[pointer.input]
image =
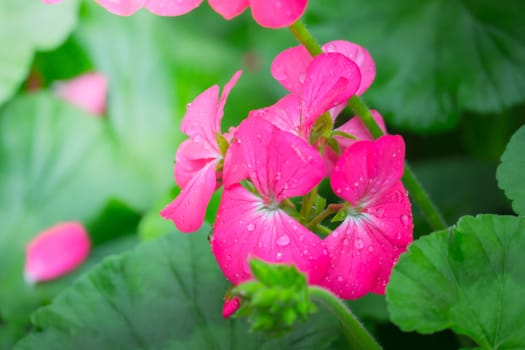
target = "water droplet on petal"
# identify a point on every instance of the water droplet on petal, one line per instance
(340, 278)
(250, 227)
(380, 212)
(279, 255)
(283, 241)
(358, 244)
(405, 220)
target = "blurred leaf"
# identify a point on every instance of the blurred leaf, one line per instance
(166, 294)
(434, 58)
(469, 279)
(511, 171)
(25, 27)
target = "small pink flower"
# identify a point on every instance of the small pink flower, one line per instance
(56, 251)
(378, 226)
(87, 91)
(267, 13)
(197, 158)
(326, 81)
(280, 165)
(231, 305)
(158, 7)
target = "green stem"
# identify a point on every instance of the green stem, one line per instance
(356, 334)
(332, 208)
(308, 203)
(430, 211)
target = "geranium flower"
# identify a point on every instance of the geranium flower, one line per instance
(280, 165)
(158, 7)
(87, 91)
(326, 81)
(56, 252)
(267, 13)
(197, 158)
(378, 225)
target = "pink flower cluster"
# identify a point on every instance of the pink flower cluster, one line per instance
(271, 158)
(267, 13)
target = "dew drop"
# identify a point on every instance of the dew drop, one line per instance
(358, 244)
(279, 255)
(340, 278)
(405, 220)
(380, 212)
(283, 241)
(250, 227)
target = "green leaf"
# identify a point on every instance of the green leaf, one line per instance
(28, 26)
(469, 279)
(165, 294)
(511, 171)
(434, 58)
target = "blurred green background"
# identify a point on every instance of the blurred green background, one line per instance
(450, 79)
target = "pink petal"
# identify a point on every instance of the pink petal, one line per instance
(224, 96)
(331, 79)
(172, 7)
(56, 251)
(200, 121)
(356, 128)
(87, 91)
(187, 211)
(122, 7)
(229, 8)
(289, 68)
(277, 13)
(367, 169)
(282, 164)
(51, 1)
(360, 56)
(230, 306)
(190, 158)
(364, 248)
(235, 169)
(285, 114)
(246, 229)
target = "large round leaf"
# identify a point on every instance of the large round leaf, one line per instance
(435, 58)
(511, 172)
(166, 294)
(25, 27)
(470, 279)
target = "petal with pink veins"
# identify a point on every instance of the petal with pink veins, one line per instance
(277, 13)
(187, 211)
(229, 8)
(122, 7)
(56, 252)
(246, 229)
(331, 79)
(365, 247)
(367, 169)
(191, 157)
(282, 165)
(285, 114)
(360, 56)
(289, 68)
(172, 7)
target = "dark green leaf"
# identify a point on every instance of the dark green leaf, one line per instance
(511, 172)
(469, 279)
(166, 294)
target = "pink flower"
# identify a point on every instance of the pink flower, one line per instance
(197, 158)
(56, 251)
(280, 165)
(290, 66)
(158, 7)
(267, 13)
(378, 226)
(322, 83)
(87, 91)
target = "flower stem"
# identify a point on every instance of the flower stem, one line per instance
(418, 193)
(332, 208)
(357, 336)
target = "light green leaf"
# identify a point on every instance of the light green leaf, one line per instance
(470, 279)
(25, 27)
(166, 294)
(511, 171)
(434, 58)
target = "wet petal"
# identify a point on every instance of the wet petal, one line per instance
(367, 169)
(224, 96)
(56, 251)
(331, 79)
(187, 211)
(245, 229)
(229, 8)
(285, 114)
(191, 157)
(277, 13)
(172, 7)
(360, 56)
(289, 68)
(356, 128)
